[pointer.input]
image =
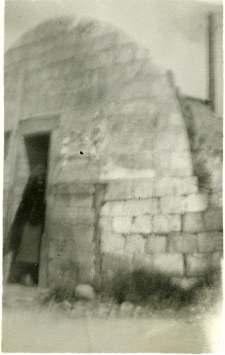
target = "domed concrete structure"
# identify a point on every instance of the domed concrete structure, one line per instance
(121, 192)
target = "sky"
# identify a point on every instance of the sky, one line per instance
(174, 31)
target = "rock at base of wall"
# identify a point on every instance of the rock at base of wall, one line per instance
(85, 292)
(185, 283)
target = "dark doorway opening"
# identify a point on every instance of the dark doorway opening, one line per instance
(37, 150)
(28, 225)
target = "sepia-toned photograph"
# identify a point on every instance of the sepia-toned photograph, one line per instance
(112, 184)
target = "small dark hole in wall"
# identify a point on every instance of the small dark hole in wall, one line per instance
(81, 153)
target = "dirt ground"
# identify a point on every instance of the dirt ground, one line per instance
(47, 329)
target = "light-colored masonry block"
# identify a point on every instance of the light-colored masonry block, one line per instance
(213, 219)
(170, 264)
(216, 260)
(183, 204)
(172, 204)
(195, 203)
(130, 208)
(156, 244)
(216, 200)
(105, 223)
(166, 223)
(210, 242)
(144, 189)
(112, 243)
(122, 224)
(127, 225)
(142, 224)
(197, 264)
(142, 262)
(135, 244)
(193, 222)
(176, 186)
(185, 243)
(185, 282)
(119, 191)
(130, 189)
(147, 188)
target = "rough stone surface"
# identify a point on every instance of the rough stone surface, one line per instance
(213, 219)
(216, 261)
(66, 305)
(170, 264)
(182, 204)
(85, 292)
(144, 189)
(142, 262)
(119, 191)
(216, 200)
(127, 309)
(195, 203)
(210, 242)
(186, 283)
(128, 225)
(156, 244)
(184, 243)
(166, 223)
(135, 244)
(113, 263)
(171, 204)
(148, 188)
(141, 224)
(122, 224)
(130, 208)
(130, 189)
(112, 243)
(105, 223)
(193, 222)
(176, 186)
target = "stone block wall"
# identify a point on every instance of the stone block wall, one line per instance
(159, 225)
(205, 131)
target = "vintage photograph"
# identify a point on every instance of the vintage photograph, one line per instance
(113, 209)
